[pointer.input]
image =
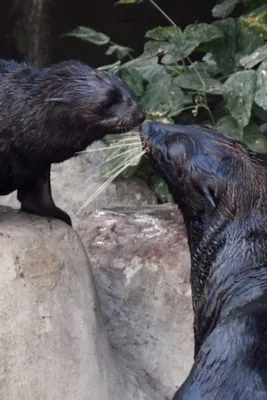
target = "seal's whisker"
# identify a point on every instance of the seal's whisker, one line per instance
(125, 160)
(133, 155)
(120, 136)
(112, 157)
(107, 182)
(130, 139)
(102, 148)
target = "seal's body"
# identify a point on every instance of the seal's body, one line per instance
(49, 114)
(221, 188)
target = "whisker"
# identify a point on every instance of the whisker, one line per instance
(133, 134)
(125, 134)
(130, 139)
(128, 158)
(117, 166)
(105, 184)
(112, 157)
(102, 148)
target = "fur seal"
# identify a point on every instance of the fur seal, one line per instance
(220, 187)
(49, 114)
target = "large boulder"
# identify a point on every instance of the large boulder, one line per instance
(53, 344)
(53, 341)
(141, 264)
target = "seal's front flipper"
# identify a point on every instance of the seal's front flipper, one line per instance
(36, 198)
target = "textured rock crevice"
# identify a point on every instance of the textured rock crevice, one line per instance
(53, 343)
(140, 261)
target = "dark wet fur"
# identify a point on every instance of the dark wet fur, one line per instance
(49, 114)
(221, 188)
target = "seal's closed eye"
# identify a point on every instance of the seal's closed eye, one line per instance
(176, 150)
(113, 97)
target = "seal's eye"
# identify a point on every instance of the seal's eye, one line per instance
(176, 150)
(112, 98)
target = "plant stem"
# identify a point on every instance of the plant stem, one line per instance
(162, 12)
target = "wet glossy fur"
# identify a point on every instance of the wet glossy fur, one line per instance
(49, 114)
(221, 189)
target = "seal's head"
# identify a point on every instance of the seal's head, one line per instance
(205, 170)
(96, 101)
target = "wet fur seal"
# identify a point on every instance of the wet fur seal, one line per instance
(220, 187)
(49, 114)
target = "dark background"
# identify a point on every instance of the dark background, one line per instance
(125, 24)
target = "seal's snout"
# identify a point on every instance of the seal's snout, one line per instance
(141, 116)
(148, 130)
(145, 130)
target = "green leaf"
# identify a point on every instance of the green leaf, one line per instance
(147, 172)
(224, 9)
(120, 51)
(201, 68)
(255, 58)
(174, 51)
(160, 188)
(254, 138)
(163, 97)
(263, 128)
(172, 41)
(228, 126)
(210, 64)
(251, 31)
(133, 79)
(90, 35)
(153, 49)
(261, 86)
(166, 33)
(248, 39)
(239, 91)
(224, 49)
(168, 60)
(181, 44)
(256, 21)
(201, 33)
(148, 67)
(251, 135)
(113, 68)
(198, 83)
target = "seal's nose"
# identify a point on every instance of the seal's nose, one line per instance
(141, 116)
(145, 129)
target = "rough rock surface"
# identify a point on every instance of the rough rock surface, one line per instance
(140, 261)
(53, 343)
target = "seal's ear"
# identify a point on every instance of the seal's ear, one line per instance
(59, 104)
(209, 195)
(207, 190)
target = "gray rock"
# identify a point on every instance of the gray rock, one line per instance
(53, 344)
(140, 261)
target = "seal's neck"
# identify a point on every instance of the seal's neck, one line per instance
(205, 239)
(228, 271)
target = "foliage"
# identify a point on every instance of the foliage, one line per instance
(100, 39)
(226, 88)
